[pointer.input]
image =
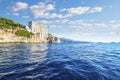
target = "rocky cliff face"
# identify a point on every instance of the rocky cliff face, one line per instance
(8, 37)
(53, 39)
(11, 31)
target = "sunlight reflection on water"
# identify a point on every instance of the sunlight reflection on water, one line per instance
(67, 61)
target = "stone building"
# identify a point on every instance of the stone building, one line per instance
(38, 30)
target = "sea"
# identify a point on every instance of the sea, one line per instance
(63, 61)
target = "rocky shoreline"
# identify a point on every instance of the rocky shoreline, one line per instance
(12, 32)
(12, 38)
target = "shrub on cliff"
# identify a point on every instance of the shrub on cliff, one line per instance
(23, 33)
(9, 24)
(50, 35)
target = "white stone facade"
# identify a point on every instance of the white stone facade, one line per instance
(37, 28)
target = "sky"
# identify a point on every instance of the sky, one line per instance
(83, 20)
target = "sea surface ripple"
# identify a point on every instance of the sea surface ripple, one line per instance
(65, 61)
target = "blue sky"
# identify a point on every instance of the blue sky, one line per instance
(84, 20)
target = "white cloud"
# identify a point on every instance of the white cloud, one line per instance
(19, 6)
(49, 22)
(114, 21)
(65, 21)
(54, 23)
(62, 10)
(52, 15)
(47, 1)
(62, 21)
(54, 26)
(45, 22)
(75, 22)
(115, 27)
(95, 9)
(25, 16)
(81, 10)
(111, 27)
(16, 14)
(84, 27)
(42, 10)
(45, 10)
(92, 25)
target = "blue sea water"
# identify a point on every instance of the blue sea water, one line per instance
(65, 61)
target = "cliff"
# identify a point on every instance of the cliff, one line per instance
(53, 39)
(11, 32)
(8, 37)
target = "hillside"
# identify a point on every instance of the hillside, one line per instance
(11, 31)
(9, 26)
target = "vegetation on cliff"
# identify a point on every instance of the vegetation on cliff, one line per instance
(52, 36)
(23, 33)
(9, 24)
(11, 31)
(12, 27)
(53, 39)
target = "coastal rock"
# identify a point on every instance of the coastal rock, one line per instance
(10, 38)
(53, 39)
